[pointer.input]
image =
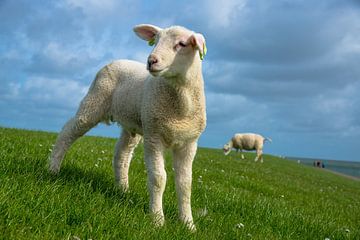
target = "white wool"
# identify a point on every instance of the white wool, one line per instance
(247, 141)
(166, 107)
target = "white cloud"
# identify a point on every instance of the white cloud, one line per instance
(330, 105)
(59, 55)
(10, 91)
(221, 13)
(94, 7)
(236, 111)
(103, 14)
(42, 91)
(60, 91)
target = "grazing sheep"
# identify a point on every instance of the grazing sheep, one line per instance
(162, 101)
(247, 141)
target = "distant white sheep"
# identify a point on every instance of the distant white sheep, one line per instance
(166, 107)
(247, 141)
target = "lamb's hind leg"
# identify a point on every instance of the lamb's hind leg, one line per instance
(123, 153)
(92, 110)
(259, 155)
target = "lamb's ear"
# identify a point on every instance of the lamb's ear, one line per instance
(197, 40)
(147, 32)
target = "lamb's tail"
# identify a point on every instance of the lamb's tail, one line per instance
(267, 139)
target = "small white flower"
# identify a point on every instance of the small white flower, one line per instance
(40, 145)
(222, 170)
(96, 165)
(327, 239)
(239, 225)
(205, 170)
(203, 212)
(50, 150)
(92, 150)
(282, 196)
(102, 151)
(347, 230)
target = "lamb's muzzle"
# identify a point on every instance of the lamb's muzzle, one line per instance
(152, 60)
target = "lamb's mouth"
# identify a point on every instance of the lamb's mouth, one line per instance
(226, 151)
(157, 72)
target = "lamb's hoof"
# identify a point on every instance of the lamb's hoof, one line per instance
(191, 226)
(158, 220)
(124, 187)
(54, 170)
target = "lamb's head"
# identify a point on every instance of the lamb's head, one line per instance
(176, 49)
(227, 148)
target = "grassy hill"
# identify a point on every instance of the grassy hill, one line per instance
(231, 198)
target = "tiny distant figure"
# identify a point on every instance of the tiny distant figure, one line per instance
(247, 141)
(319, 164)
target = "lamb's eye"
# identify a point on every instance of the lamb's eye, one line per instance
(182, 44)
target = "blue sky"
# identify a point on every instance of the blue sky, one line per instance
(287, 69)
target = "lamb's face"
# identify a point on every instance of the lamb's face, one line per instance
(176, 49)
(226, 149)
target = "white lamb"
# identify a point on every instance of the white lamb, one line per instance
(166, 107)
(247, 141)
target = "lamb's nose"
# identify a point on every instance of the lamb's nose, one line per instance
(151, 61)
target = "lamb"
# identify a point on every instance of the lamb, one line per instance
(247, 141)
(162, 102)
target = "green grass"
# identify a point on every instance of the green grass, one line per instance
(278, 199)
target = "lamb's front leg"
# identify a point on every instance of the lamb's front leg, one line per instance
(183, 159)
(242, 155)
(154, 161)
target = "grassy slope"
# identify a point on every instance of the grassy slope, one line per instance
(275, 200)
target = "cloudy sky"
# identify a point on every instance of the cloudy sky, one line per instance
(287, 69)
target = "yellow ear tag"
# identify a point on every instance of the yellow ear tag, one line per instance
(202, 54)
(151, 42)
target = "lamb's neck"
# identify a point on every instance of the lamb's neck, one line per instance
(191, 77)
(188, 93)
